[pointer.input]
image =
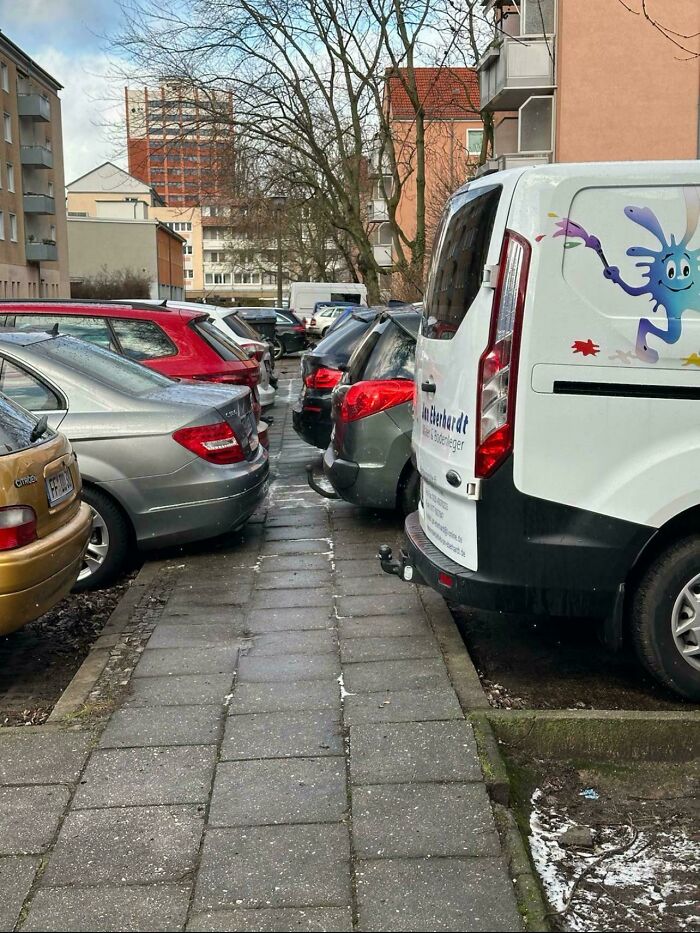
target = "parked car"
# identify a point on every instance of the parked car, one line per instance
(368, 460)
(324, 317)
(179, 343)
(44, 528)
(164, 462)
(555, 426)
(321, 370)
(304, 295)
(286, 331)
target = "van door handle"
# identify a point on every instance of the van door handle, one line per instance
(428, 386)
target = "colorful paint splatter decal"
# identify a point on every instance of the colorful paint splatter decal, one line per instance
(585, 347)
(623, 356)
(672, 271)
(692, 360)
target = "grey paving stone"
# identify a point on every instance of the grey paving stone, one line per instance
(297, 518)
(204, 599)
(293, 579)
(363, 567)
(380, 605)
(163, 725)
(280, 668)
(312, 546)
(50, 757)
(282, 735)
(420, 751)
(178, 690)
(316, 641)
(124, 908)
(374, 676)
(272, 920)
(291, 599)
(402, 706)
(126, 845)
(294, 562)
(16, 876)
(291, 695)
(389, 648)
(422, 820)
(288, 620)
(381, 626)
(29, 818)
(129, 777)
(472, 894)
(202, 635)
(274, 866)
(317, 529)
(161, 662)
(291, 790)
(377, 582)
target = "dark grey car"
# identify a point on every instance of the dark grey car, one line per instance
(163, 462)
(368, 460)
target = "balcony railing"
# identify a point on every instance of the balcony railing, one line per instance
(517, 160)
(39, 204)
(34, 106)
(36, 156)
(40, 251)
(514, 69)
(382, 255)
(377, 210)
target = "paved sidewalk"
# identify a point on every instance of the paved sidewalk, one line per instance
(288, 755)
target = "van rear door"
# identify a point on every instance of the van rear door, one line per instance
(454, 335)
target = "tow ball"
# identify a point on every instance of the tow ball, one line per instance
(399, 566)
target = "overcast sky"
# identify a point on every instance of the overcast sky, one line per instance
(65, 37)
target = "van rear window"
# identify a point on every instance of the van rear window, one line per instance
(457, 269)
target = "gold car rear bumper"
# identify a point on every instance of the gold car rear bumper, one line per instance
(35, 577)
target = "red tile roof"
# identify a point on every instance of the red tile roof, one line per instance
(446, 93)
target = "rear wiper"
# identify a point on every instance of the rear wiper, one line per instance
(39, 429)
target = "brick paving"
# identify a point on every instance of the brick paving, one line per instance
(288, 755)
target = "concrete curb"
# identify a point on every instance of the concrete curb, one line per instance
(477, 709)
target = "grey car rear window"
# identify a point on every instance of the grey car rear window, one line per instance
(457, 268)
(388, 352)
(16, 427)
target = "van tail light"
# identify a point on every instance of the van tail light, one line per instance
(323, 378)
(17, 526)
(215, 443)
(369, 398)
(498, 367)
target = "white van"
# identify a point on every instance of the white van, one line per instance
(304, 295)
(557, 416)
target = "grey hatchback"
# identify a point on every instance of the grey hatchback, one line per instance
(163, 462)
(368, 460)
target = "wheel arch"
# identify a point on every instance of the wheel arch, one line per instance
(89, 483)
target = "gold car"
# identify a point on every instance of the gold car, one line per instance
(44, 527)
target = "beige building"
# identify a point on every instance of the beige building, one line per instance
(33, 235)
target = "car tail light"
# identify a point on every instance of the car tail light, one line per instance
(323, 378)
(369, 398)
(247, 376)
(299, 328)
(17, 526)
(312, 322)
(213, 442)
(499, 362)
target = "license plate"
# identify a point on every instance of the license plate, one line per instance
(59, 486)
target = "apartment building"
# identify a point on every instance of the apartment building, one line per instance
(590, 80)
(33, 235)
(174, 141)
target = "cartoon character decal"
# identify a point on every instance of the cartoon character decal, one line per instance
(672, 271)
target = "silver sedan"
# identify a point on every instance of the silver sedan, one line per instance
(163, 462)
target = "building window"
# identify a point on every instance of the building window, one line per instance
(10, 177)
(2, 225)
(208, 278)
(186, 249)
(189, 273)
(7, 125)
(50, 189)
(13, 227)
(475, 140)
(535, 125)
(5, 76)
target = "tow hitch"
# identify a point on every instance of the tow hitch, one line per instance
(399, 566)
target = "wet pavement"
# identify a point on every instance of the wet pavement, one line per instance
(288, 754)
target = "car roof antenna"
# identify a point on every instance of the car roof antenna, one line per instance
(54, 330)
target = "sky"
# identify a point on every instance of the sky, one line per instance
(66, 37)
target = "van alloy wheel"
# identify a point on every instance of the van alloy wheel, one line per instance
(98, 547)
(685, 622)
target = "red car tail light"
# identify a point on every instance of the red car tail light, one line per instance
(498, 367)
(299, 328)
(323, 378)
(369, 398)
(215, 443)
(17, 526)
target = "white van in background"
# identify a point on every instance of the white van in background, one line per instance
(304, 295)
(557, 417)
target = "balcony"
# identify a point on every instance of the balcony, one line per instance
(382, 255)
(377, 210)
(41, 251)
(35, 107)
(515, 160)
(36, 156)
(39, 204)
(514, 69)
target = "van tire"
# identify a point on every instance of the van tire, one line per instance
(409, 486)
(651, 612)
(119, 538)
